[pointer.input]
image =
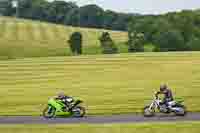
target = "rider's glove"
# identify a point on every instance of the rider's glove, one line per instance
(156, 94)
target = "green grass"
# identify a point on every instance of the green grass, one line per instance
(23, 38)
(179, 127)
(109, 84)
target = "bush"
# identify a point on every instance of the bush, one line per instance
(194, 44)
(75, 42)
(107, 44)
(136, 42)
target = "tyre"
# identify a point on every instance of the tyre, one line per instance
(78, 111)
(182, 111)
(49, 112)
(147, 112)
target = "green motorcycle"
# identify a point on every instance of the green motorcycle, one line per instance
(58, 108)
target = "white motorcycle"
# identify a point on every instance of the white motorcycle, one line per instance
(175, 107)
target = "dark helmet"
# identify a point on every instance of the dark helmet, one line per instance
(163, 87)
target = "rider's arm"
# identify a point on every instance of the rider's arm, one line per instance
(56, 97)
(157, 93)
(69, 99)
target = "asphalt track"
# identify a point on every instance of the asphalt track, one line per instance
(98, 119)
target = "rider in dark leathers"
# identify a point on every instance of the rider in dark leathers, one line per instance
(67, 100)
(168, 96)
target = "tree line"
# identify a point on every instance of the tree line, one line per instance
(168, 32)
(69, 13)
(176, 31)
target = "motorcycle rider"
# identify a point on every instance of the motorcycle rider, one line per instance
(67, 100)
(168, 96)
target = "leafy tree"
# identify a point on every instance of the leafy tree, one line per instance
(194, 44)
(170, 40)
(38, 10)
(116, 21)
(91, 16)
(75, 42)
(107, 44)
(121, 22)
(110, 17)
(73, 17)
(6, 8)
(57, 11)
(184, 22)
(135, 42)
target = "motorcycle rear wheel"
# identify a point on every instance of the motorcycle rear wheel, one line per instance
(181, 113)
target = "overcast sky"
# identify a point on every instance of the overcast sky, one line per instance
(143, 6)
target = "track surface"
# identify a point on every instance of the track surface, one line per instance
(98, 119)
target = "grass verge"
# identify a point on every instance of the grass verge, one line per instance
(181, 127)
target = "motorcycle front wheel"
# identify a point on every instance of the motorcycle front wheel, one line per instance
(49, 112)
(78, 111)
(147, 112)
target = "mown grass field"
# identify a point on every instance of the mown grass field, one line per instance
(109, 84)
(24, 38)
(180, 127)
